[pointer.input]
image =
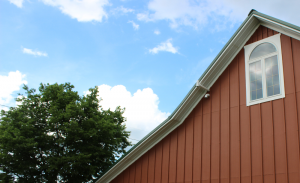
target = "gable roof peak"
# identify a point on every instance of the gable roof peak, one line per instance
(251, 11)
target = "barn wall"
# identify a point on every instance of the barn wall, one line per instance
(224, 141)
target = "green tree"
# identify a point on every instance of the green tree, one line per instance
(58, 136)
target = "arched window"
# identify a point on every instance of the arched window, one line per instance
(264, 75)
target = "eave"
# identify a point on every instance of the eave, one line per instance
(205, 82)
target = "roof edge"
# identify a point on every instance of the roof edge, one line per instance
(251, 11)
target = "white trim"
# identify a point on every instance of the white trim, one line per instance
(279, 27)
(275, 40)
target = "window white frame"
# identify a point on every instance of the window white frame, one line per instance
(275, 40)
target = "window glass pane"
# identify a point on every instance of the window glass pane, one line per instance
(269, 81)
(275, 69)
(276, 90)
(262, 49)
(258, 84)
(276, 80)
(272, 76)
(270, 91)
(269, 63)
(268, 71)
(252, 76)
(258, 66)
(253, 95)
(259, 94)
(274, 59)
(256, 80)
(252, 67)
(252, 86)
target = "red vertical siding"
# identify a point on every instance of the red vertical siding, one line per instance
(234, 145)
(224, 141)
(138, 171)
(144, 178)
(290, 110)
(280, 142)
(296, 59)
(119, 178)
(197, 144)
(234, 123)
(268, 142)
(256, 146)
(246, 161)
(206, 141)
(189, 142)
(215, 134)
(126, 176)
(173, 157)
(225, 166)
(296, 64)
(132, 173)
(158, 163)
(165, 160)
(180, 154)
(151, 165)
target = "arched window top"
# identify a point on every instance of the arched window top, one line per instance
(264, 71)
(262, 49)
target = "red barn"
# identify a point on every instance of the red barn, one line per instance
(239, 123)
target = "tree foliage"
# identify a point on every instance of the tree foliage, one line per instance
(58, 136)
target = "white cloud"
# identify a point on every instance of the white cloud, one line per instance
(157, 32)
(219, 12)
(9, 84)
(141, 111)
(82, 10)
(179, 12)
(35, 53)
(123, 10)
(144, 17)
(18, 3)
(134, 25)
(164, 46)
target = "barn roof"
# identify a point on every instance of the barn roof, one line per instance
(197, 92)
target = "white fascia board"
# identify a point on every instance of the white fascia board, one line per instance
(279, 27)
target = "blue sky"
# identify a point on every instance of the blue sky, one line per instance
(144, 55)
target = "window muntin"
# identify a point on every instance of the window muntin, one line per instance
(262, 49)
(264, 71)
